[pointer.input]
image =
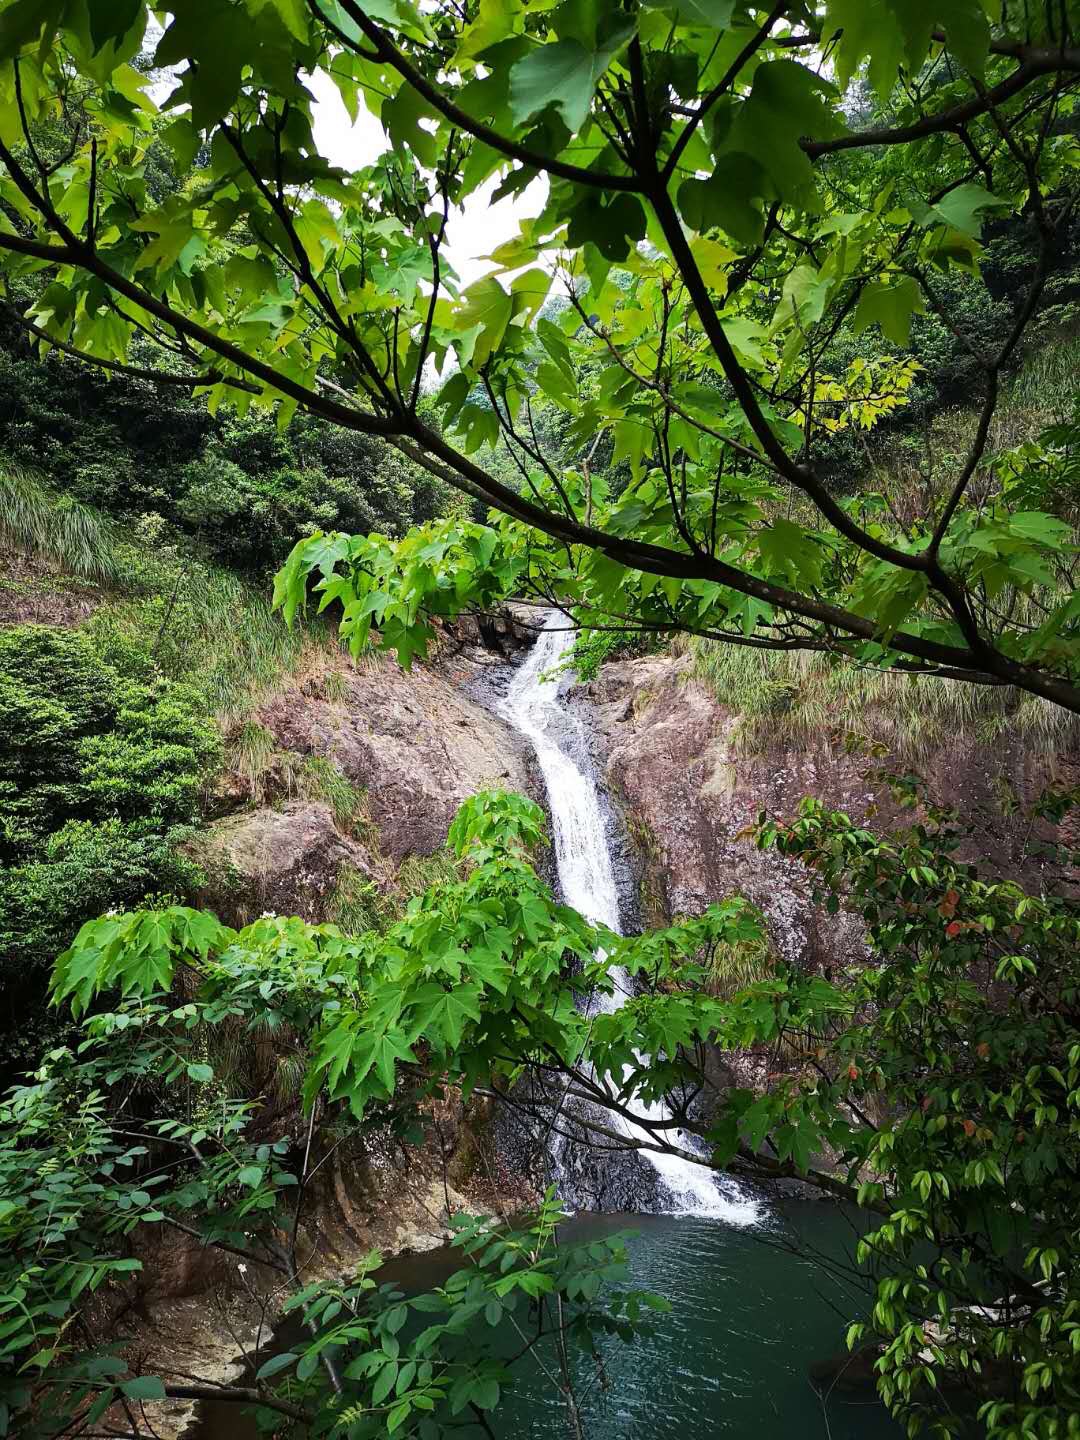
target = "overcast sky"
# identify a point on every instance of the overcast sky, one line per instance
(474, 231)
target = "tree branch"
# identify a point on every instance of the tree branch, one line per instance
(137, 372)
(1035, 64)
(437, 98)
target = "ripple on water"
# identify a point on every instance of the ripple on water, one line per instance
(751, 1311)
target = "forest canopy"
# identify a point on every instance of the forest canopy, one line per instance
(711, 155)
(762, 228)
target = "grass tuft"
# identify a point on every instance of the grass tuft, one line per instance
(320, 779)
(734, 966)
(251, 753)
(790, 698)
(33, 518)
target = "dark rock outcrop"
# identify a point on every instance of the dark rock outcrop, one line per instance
(285, 860)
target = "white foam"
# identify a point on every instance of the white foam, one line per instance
(534, 705)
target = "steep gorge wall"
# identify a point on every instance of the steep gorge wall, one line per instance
(669, 749)
(412, 744)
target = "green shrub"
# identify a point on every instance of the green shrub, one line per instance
(247, 490)
(102, 767)
(54, 693)
(87, 868)
(593, 648)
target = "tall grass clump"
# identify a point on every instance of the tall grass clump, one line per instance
(318, 778)
(224, 632)
(251, 752)
(1046, 382)
(37, 520)
(214, 630)
(792, 697)
(359, 903)
(732, 966)
(202, 624)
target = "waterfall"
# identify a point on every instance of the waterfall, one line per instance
(534, 705)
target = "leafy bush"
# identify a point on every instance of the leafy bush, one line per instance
(102, 764)
(593, 648)
(251, 520)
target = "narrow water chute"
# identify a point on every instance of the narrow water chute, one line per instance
(535, 705)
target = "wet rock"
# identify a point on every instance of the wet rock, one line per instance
(504, 632)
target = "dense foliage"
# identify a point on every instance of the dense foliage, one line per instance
(764, 230)
(762, 219)
(243, 490)
(951, 1084)
(89, 1148)
(954, 1121)
(101, 767)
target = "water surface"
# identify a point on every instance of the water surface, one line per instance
(732, 1358)
(752, 1310)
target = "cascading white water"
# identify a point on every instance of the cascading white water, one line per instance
(533, 706)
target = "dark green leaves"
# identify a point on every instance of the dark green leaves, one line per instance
(111, 19)
(786, 103)
(710, 14)
(402, 115)
(23, 21)
(215, 36)
(731, 199)
(564, 75)
(891, 307)
(613, 225)
(144, 1387)
(962, 208)
(889, 34)
(275, 1364)
(757, 152)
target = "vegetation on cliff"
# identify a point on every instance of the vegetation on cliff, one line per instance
(114, 729)
(772, 232)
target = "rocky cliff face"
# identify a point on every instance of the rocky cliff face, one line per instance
(669, 751)
(411, 745)
(412, 741)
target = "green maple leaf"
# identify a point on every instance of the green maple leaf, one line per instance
(891, 307)
(445, 1012)
(563, 74)
(706, 14)
(488, 305)
(490, 969)
(961, 209)
(111, 19)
